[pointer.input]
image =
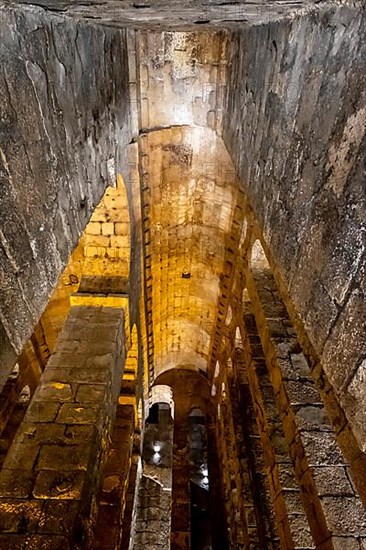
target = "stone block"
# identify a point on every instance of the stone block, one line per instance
(21, 456)
(93, 228)
(108, 229)
(78, 434)
(346, 543)
(67, 359)
(120, 242)
(40, 433)
(332, 481)
(18, 516)
(75, 413)
(300, 531)
(41, 411)
(60, 485)
(54, 391)
(121, 228)
(344, 515)
(71, 457)
(312, 418)
(96, 240)
(90, 393)
(321, 449)
(300, 365)
(57, 517)
(113, 253)
(81, 375)
(16, 483)
(302, 392)
(91, 251)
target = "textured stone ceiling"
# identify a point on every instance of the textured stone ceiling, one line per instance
(194, 192)
(190, 194)
(175, 13)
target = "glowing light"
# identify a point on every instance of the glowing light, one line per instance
(157, 448)
(205, 480)
(205, 473)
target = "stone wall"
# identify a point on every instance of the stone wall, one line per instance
(64, 121)
(308, 438)
(295, 123)
(52, 470)
(174, 14)
(111, 522)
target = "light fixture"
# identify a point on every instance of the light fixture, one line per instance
(157, 447)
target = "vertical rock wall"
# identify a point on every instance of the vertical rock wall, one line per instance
(295, 126)
(64, 120)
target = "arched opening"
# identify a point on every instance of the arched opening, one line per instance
(154, 498)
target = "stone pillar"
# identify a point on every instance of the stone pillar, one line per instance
(112, 494)
(52, 470)
(180, 526)
(217, 508)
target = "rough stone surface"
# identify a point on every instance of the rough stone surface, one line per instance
(294, 124)
(172, 13)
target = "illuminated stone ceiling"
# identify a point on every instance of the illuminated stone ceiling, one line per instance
(191, 202)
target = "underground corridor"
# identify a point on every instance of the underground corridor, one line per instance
(182, 275)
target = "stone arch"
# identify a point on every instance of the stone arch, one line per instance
(162, 393)
(258, 258)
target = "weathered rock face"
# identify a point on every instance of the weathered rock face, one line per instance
(64, 111)
(175, 14)
(295, 126)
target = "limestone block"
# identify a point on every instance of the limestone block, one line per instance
(54, 457)
(16, 483)
(121, 228)
(54, 520)
(89, 393)
(94, 251)
(120, 241)
(20, 515)
(96, 240)
(107, 229)
(93, 228)
(59, 485)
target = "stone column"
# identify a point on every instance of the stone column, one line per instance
(180, 526)
(52, 470)
(217, 514)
